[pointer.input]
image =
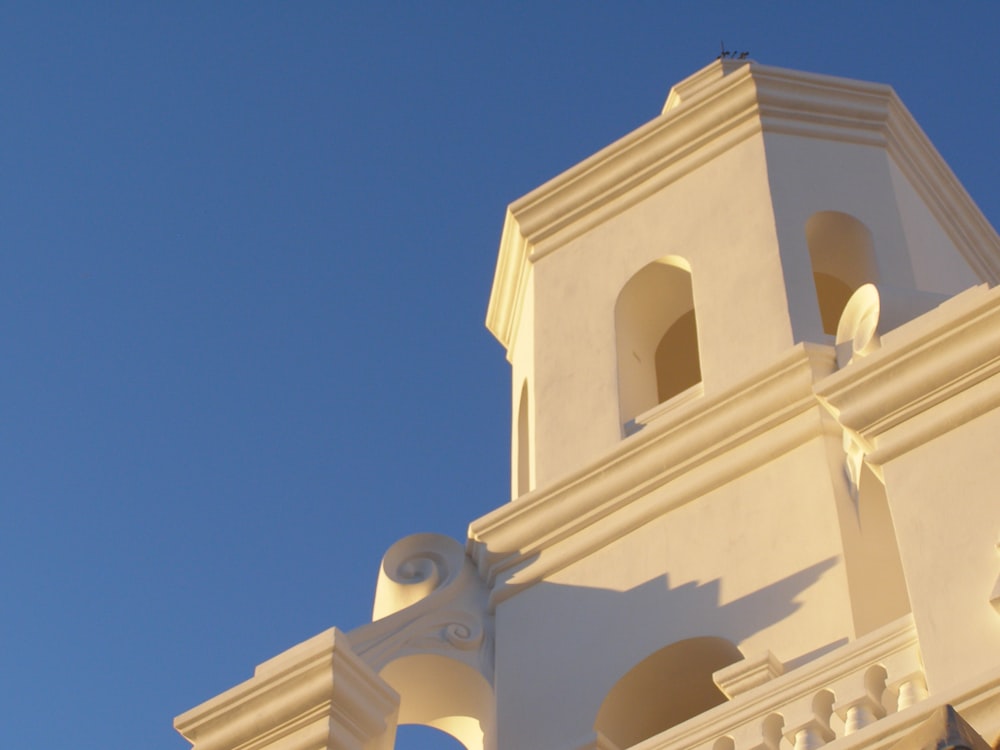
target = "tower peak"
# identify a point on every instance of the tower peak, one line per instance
(753, 207)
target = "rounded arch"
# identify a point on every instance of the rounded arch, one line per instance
(842, 254)
(440, 692)
(409, 736)
(666, 688)
(657, 336)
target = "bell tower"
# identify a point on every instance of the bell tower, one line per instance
(695, 250)
(755, 348)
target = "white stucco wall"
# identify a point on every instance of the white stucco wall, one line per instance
(946, 509)
(757, 561)
(576, 287)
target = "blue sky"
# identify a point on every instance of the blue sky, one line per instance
(245, 255)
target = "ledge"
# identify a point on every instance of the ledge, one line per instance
(703, 445)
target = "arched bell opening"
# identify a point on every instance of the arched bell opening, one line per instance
(657, 337)
(843, 259)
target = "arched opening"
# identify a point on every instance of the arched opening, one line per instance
(664, 689)
(657, 337)
(676, 369)
(440, 692)
(522, 448)
(419, 737)
(843, 258)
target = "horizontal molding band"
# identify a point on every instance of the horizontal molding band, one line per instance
(702, 445)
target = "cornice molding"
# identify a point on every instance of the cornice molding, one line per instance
(316, 694)
(684, 90)
(684, 454)
(929, 174)
(888, 398)
(510, 283)
(584, 195)
(638, 164)
(730, 104)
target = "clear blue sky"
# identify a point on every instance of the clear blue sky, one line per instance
(245, 254)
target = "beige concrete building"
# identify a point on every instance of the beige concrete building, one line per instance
(755, 348)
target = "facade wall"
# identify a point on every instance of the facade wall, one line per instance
(758, 561)
(576, 287)
(945, 504)
(938, 266)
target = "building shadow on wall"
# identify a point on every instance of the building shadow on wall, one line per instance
(578, 623)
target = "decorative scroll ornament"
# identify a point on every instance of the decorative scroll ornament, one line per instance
(413, 569)
(429, 600)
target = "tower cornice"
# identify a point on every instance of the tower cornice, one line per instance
(707, 114)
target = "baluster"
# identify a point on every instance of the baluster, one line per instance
(912, 690)
(858, 703)
(860, 714)
(905, 684)
(809, 737)
(807, 721)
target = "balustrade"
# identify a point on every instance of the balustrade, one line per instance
(833, 696)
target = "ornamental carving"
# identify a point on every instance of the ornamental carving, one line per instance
(429, 600)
